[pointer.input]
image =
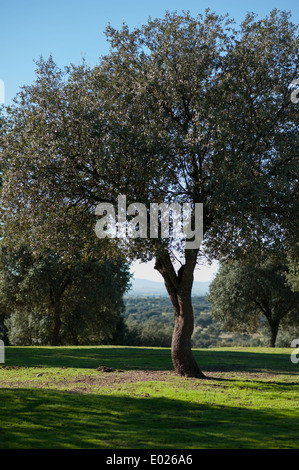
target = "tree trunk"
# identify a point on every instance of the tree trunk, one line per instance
(55, 295)
(179, 288)
(57, 323)
(182, 358)
(274, 331)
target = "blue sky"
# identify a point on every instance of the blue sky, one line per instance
(71, 29)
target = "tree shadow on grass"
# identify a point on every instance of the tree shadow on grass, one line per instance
(90, 357)
(147, 359)
(47, 419)
(246, 361)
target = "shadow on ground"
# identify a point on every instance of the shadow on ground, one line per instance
(148, 358)
(33, 418)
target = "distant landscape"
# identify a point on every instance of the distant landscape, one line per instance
(154, 288)
(149, 321)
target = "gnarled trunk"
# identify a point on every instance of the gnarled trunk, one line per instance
(179, 288)
(182, 358)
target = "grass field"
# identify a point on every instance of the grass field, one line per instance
(56, 398)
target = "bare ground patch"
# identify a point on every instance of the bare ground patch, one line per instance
(85, 382)
(114, 379)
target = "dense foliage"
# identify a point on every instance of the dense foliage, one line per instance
(248, 297)
(47, 301)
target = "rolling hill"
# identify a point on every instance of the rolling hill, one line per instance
(145, 287)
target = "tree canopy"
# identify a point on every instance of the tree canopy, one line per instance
(243, 297)
(82, 302)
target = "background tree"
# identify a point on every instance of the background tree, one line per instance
(293, 268)
(244, 296)
(46, 295)
(147, 333)
(182, 109)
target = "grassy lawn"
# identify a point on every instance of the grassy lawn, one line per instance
(56, 398)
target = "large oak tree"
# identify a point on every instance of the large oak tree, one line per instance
(182, 109)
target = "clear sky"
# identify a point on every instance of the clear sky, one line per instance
(71, 29)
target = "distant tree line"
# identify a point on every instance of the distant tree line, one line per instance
(45, 300)
(248, 305)
(149, 322)
(93, 310)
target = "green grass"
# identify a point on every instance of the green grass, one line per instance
(55, 398)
